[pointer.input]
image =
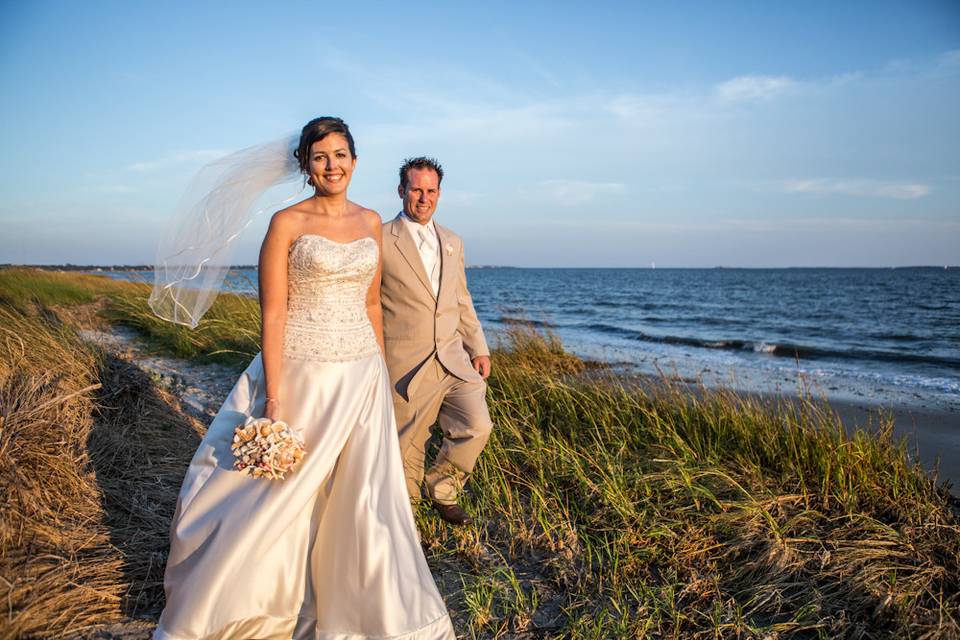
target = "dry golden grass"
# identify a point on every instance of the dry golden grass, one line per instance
(605, 510)
(92, 455)
(671, 514)
(56, 560)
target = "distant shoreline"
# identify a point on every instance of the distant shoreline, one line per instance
(87, 268)
(142, 267)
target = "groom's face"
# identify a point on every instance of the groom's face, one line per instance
(421, 194)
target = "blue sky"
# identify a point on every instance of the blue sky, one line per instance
(573, 134)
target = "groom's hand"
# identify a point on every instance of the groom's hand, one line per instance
(481, 365)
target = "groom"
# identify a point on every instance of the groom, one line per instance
(435, 350)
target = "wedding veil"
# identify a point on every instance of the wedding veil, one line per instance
(194, 255)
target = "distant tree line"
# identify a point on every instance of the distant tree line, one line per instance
(97, 267)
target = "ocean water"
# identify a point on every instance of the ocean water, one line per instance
(887, 336)
(878, 335)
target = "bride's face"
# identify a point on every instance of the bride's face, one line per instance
(331, 164)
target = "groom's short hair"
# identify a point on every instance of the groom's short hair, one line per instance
(420, 162)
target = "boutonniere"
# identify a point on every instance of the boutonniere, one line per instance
(449, 249)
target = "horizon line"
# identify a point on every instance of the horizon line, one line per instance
(146, 267)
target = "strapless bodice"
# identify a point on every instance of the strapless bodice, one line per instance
(327, 284)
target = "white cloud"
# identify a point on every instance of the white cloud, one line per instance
(643, 107)
(109, 189)
(827, 225)
(747, 88)
(816, 224)
(571, 192)
(197, 155)
(949, 62)
(842, 79)
(537, 67)
(461, 198)
(858, 188)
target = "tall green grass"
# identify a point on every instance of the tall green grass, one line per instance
(22, 287)
(609, 509)
(228, 333)
(91, 457)
(674, 514)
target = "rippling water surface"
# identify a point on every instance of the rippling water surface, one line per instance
(883, 335)
(871, 333)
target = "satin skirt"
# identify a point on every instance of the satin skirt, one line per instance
(329, 553)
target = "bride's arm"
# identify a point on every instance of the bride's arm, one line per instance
(273, 309)
(374, 310)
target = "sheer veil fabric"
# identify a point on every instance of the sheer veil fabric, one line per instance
(195, 253)
(331, 552)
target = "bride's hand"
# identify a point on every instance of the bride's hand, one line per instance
(272, 409)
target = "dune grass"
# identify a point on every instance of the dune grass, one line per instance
(22, 287)
(48, 543)
(91, 457)
(671, 514)
(229, 332)
(605, 509)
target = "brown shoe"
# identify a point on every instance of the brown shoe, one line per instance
(452, 513)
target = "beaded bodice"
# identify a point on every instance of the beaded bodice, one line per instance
(327, 285)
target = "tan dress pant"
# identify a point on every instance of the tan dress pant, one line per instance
(462, 409)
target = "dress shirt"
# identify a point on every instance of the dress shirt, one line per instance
(428, 244)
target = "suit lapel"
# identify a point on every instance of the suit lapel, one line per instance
(447, 276)
(404, 243)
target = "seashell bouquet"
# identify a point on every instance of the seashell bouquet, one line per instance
(266, 449)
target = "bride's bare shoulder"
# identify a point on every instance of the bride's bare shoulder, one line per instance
(359, 209)
(369, 216)
(287, 221)
(295, 212)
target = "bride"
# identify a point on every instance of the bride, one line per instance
(331, 552)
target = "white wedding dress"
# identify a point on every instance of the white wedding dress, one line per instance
(331, 552)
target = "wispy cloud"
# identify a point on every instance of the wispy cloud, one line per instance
(571, 192)
(537, 67)
(949, 63)
(815, 224)
(644, 108)
(857, 188)
(109, 189)
(447, 89)
(827, 225)
(463, 198)
(752, 88)
(951, 57)
(196, 155)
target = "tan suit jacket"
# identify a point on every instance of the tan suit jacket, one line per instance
(416, 325)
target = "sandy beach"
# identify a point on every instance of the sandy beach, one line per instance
(933, 436)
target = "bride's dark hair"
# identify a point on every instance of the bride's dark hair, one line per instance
(318, 129)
